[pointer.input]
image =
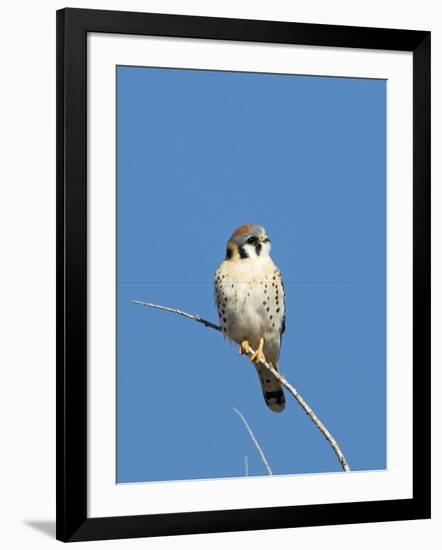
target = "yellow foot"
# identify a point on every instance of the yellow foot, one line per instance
(258, 356)
(244, 347)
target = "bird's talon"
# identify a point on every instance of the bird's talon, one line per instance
(258, 356)
(244, 347)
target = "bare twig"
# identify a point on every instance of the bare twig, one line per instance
(194, 317)
(255, 441)
(321, 427)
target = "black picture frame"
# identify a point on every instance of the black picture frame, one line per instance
(73, 25)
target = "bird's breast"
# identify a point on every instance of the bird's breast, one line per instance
(249, 299)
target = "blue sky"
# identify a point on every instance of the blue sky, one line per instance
(198, 154)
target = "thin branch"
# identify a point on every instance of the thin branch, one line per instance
(309, 411)
(194, 317)
(255, 441)
(321, 427)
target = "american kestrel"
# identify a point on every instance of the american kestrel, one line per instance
(251, 304)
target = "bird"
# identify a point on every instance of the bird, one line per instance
(250, 299)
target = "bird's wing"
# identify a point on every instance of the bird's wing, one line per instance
(283, 323)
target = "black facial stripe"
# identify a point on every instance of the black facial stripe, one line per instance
(228, 254)
(258, 249)
(242, 253)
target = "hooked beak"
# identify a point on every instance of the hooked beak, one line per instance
(263, 238)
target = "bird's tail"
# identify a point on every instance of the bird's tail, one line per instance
(271, 389)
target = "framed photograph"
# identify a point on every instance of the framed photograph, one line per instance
(243, 274)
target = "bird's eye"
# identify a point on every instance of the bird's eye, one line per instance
(251, 240)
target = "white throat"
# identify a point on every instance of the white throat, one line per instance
(250, 249)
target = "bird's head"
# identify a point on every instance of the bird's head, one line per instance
(248, 241)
